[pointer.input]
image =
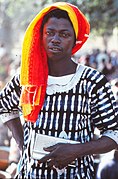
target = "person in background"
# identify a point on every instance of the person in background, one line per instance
(108, 169)
(114, 87)
(59, 98)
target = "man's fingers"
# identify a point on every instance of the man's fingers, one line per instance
(45, 158)
(50, 148)
(49, 156)
(54, 164)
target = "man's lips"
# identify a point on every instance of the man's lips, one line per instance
(55, 49)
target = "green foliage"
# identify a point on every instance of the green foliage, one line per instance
(103, 15)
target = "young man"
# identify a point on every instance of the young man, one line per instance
(59, 98)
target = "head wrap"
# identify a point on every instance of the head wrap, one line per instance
(34, 68)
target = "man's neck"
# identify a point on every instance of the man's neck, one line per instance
(61, 68)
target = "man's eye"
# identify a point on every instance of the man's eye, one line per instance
(63, 34)
(49, 33)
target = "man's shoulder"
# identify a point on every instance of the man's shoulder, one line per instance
(91, 73)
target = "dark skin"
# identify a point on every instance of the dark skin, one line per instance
(58, 40)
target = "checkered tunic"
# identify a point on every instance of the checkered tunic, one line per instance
(77, 108)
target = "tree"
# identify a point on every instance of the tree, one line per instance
(15, 16)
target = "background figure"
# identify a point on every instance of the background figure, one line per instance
(108, 169)
(114, 85)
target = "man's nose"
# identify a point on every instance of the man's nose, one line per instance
(56, 38)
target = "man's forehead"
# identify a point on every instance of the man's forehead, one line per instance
(61, 22)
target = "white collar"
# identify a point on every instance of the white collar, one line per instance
(64, 83)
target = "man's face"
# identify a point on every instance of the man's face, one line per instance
(58, 38)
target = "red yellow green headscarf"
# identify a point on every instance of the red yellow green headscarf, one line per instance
(34, 68)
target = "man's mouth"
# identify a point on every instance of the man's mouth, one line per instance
(55, 49)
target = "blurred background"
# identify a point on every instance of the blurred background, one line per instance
(100, 51)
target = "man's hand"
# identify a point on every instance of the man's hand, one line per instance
(60, 155)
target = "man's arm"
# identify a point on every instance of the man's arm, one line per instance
(16, 128)
(9, 108)
(99, 146)
(63, 154)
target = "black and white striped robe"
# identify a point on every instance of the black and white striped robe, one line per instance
(74, 105)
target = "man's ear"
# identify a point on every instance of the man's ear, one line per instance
(74, 40)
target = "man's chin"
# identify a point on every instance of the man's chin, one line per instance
(54, 56)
